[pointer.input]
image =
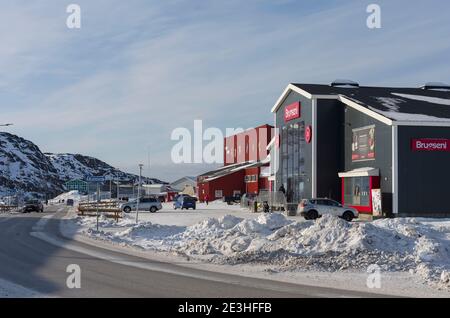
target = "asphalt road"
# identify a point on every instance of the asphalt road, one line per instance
(34, 263)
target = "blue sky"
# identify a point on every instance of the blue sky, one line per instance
(116, 88)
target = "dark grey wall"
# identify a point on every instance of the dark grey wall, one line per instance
(330, 150)
(306, 117)
(424, 176)
(383, 151)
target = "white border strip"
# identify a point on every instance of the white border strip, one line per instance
(395, 169)
(314, 149)
(365, 110)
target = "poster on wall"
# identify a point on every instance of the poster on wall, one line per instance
(363, 143)
(376, 202)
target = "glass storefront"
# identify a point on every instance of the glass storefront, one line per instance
(357, 191)
(292, 160)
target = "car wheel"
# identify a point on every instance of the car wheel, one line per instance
(153, 209)
(312, 215)
(127, 209)
(348, 216)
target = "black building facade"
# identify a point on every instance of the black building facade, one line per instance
(385, 151)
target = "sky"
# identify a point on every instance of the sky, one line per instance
(136, 70)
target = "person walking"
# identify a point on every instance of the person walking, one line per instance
(206, 199)
(282, 189)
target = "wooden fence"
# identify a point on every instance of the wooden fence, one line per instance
(106, 208)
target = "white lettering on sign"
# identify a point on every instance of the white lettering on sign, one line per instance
(430, 145)
(292, 111)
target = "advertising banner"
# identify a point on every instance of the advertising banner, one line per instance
(376, 202)
(363, 144)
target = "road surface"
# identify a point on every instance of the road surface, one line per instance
(28, 260)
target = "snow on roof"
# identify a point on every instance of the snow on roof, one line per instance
(216, 174)
(395, 103)
(360, 172)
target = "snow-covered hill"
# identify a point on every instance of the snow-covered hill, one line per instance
(23, 167)
(76, 166)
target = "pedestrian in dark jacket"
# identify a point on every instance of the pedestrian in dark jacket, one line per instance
(282, 189)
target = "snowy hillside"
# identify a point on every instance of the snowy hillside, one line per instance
(24, 168)
(76, 166)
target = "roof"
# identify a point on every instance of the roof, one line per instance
(227, 170)
(360, 172)
(189, 178)
(392, 105)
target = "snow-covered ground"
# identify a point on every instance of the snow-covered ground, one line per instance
(413, 249)
(72, 195)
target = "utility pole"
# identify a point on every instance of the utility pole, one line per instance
(118, 188)
(139, 192)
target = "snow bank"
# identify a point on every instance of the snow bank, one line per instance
(329, 243)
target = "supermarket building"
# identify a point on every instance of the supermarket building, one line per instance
(383, 150)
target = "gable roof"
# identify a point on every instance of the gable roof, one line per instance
(188, 178)
(391, 105)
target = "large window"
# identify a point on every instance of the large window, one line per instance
(357, 191)
(292, 160)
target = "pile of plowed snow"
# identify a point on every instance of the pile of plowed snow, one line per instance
(329, 243)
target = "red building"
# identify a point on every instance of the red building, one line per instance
(245, 167)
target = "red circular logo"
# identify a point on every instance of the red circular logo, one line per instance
(308, 134)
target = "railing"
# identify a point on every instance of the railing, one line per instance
(276, 201)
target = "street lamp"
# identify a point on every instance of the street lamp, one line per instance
(139, 192)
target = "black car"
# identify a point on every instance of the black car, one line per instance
(33, 206)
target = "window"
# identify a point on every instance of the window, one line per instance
(292, 169)
(357, 191)
(218, 193)
(333, 203)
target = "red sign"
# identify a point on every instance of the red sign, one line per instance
(308, 134)
(292, 111)
(429, 144)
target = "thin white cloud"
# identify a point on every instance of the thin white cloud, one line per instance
(129, 79)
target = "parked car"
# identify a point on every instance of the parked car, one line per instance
(182, 195)
(312, 209)
(232, 199)
(185, 202)
(33, 206)
(145, 204)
